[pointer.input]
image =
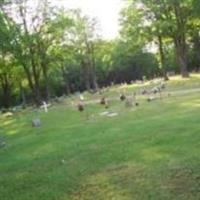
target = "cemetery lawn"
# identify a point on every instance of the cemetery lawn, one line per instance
(150, 152)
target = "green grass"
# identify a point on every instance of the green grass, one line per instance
(176, 83)
(145, 153)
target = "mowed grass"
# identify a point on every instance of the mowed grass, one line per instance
(176, 83)
(150, 152)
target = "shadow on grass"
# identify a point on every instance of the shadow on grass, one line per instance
(127, 182)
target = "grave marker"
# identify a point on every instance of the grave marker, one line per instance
(45, 107)
(36, 122)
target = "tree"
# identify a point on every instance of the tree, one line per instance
(170, 19)
(34, 36)
(194, 34)
(6, 61)
(83, 35)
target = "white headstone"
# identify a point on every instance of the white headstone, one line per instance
(112, 114)
(36, 122)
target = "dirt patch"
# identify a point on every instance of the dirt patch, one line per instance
(183, 182)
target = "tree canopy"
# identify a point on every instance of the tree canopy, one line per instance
(46, 51)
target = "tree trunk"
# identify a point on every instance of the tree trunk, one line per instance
(22, 94)
(36, 76)
(93, 70)
(162, 58)
(179, 39)
(196, 50)
(6, 98)
(46, 79)
(42, 55)
(6, 91)
(86, 74)
(65, 78)
(30, 82)
(181, 55)
(35, 83)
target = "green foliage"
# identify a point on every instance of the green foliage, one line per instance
(57, 51)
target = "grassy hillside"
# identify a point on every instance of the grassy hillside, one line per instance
(146, 152)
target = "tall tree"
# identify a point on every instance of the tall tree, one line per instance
(84, 33)
(170, 18)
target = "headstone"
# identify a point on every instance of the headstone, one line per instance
(144, 92)
(14, 109)
(137, 104)
(122, 97)
(151, 98)
(112, 114)
(108, 114)
(162, 86)
(8, 114)
(103, 101)
(36, 122)
(144, 78)
(106, 105)
(104, 113)
(80, 106)
(129, 103)
(155, 90)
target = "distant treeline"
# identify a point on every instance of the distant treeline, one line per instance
(47, 52)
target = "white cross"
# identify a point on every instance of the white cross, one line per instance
(45, 106)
